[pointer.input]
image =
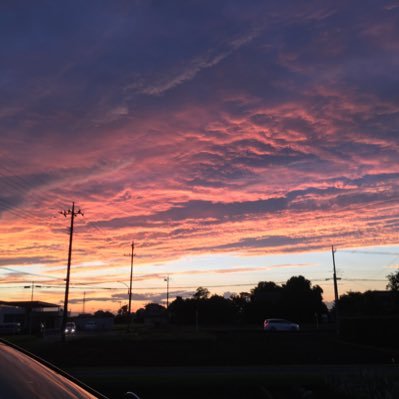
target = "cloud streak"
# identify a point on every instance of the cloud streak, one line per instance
(199, 128)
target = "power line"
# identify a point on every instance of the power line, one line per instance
(28, 273)
(5, 206)
(87, 287)
(369, 252)
(22, 184)
(61, 287)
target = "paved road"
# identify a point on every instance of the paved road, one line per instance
(291, 370)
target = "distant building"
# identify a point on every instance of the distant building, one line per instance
(86, 322)
(31, 315)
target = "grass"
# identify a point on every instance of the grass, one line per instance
(180, 363)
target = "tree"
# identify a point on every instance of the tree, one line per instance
(301, 301)
(122, 315)
(265, 289)
(101, 313)
(123, 311)
(393, 281)
(201, 293)
(369, 303)
(265, 302)
(182, 311)
(241, 301)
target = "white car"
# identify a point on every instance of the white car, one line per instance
(70, 328)
(280, 325)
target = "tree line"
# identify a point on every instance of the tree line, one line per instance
(296, 300)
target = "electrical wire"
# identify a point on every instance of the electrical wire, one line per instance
(369, 252)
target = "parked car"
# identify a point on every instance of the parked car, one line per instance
(70, 328)
(23, 375)
(280, 325)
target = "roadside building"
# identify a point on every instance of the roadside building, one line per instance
(86, 322)
(32, 315)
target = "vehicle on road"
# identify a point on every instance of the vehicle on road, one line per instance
(70, 328)
(23, 375)
(280, 325)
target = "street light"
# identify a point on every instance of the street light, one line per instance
(33, 287)
(124, 285)
(166, 279)
(128, 290)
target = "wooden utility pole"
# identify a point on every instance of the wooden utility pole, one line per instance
(130, 288)
(335, 289)
(65, 315)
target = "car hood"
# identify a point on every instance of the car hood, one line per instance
(23, 377)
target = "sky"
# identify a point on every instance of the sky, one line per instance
(232, 141)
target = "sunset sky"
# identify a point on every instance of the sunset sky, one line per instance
(233, 141)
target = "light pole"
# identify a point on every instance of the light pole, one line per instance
(128, 291)
(122, 282)
(33, 288)
(166, 279)
(33, 285)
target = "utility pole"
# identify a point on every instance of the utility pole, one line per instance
(130, 288)
(335, 290)
(73, 214)
(167, 291)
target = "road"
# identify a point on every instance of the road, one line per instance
(281, 370)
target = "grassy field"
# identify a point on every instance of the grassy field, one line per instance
(222, 363)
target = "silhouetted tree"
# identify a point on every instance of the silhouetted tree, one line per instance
(393, 281)
(139, 315)
(241, 303)
(265, 302)
(217, 310)
(201, 293)
(300, 301)
(151, 312)
(182, 311)
(102, 313)
(124, 310)
(369, 303)
(296, 299)
(155, 308)
(122, 315)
